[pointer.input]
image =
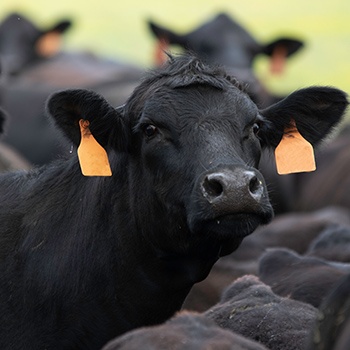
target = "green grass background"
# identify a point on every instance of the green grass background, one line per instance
(117, 29)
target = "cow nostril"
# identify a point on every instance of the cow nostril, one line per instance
(212, 187)
(255, 187)
(254, 184)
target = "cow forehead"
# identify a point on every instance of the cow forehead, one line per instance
(199, 104)
(222, 28)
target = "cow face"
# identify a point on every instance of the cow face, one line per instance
(201, 152)
(21, 42)
(193, 140)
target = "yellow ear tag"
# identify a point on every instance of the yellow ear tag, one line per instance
(93, 158)
(294, 154)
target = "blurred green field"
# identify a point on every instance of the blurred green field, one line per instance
(117, 29)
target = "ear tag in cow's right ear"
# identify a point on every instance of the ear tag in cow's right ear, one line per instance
(93, 158)
(294, 154)
(278, 60)
(49, 44)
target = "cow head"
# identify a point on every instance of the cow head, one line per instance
(190, 139)
(222, 40)
(21, 42)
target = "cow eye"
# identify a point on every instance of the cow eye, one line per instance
(150, 130)
(256, 128)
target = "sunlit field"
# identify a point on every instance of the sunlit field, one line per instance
(118, 30)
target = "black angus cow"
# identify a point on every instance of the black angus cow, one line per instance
(34, 66)
(222, 40)
(331, 330)
(332, 244)
(186, 331)
(250, 308)
(86, 258)
(22, 43)
(9, 158)
(303, 278)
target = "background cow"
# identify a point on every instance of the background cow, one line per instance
(34, 66)
(84, 259)
(250, 308)
(332, 325)
(307, 279)
(223, 41)
(186, 331)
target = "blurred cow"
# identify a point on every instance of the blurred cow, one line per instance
(224, 41)
(250, 308)
(307, 279)
(186, 331)
(35, 66)
(331, 330)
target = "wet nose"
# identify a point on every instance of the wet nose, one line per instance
(238, 189)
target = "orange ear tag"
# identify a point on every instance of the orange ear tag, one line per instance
(93, 158)
(278, 60)
(294, 154)
(49, 44)
(160, 55)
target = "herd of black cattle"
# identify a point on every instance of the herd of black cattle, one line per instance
(131, 260)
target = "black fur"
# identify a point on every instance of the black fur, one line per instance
(84, 259)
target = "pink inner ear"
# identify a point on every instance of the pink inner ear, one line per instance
(278, 60)
(160, 57)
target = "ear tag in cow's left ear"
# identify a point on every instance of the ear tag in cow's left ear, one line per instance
(93, 158)
(294, 154)
(160, 55)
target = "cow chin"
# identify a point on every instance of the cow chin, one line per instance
(230, 227)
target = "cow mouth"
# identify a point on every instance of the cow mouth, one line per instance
(230, 226)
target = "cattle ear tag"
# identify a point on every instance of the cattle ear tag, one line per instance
(278, 60)
(93, 158)
(49, 44)
(294, 154)
(161, 48)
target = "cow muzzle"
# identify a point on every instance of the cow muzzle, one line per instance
(229, 201)
(233, 191)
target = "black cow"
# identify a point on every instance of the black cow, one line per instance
(249, 307)
(186, 331)
(32, 73)
(332, 244)
(222, 40)
(84, 259)
(332, 327)
(9, 159)
(22, 43)
(307, 279)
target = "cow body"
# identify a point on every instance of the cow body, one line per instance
(84, 259)
(250, 308)
(186, 331)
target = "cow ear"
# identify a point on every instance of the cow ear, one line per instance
(279, 50)
(50, 41)
(106, 124)
(291, 46)
(167, 35)
(315, 111)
